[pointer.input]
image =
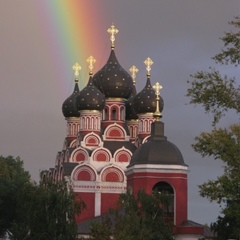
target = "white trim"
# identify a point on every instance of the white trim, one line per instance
(156, 168)
(160, 177)
(98, 187)
(124, 137)
(97, 204)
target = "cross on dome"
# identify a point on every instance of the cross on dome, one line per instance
(157, 113)
(134, 70)
(76, 67)
(112, 31)
(91, 60)
(148, 62)
(157, 88)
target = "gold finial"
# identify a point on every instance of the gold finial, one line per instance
(157, 88)
(76, 67)
(112, 31)
(148, 62)
(157, 113)
(91, 60)
(134, 72)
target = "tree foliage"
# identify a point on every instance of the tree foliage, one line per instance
(231, 51)
(218, 94)
(137, 217)
(13, 178)
(35, 211)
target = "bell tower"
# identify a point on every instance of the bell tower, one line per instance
(158, 165)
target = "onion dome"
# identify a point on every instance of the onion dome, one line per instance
(90, 98)
(130, 112)
(145, 101)
(112, 79)
(69, 108)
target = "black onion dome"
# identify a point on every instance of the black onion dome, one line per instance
(113, 80)
(157, 152)
(90, 98)
(145, 101)
(130, 112)
(69, 108)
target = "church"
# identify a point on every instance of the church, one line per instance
(115, 141)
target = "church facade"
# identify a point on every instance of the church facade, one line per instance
(115, 141)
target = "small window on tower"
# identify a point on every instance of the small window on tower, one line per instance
(114, 114)
(106, 117)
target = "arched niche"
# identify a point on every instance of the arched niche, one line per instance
(168, 199)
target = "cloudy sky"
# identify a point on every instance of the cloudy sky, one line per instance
(180, 36)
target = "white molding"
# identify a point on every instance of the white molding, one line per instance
(98, 187)
(156, 168)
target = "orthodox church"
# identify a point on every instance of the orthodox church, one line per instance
(115, 141)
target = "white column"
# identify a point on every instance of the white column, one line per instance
(97, 204)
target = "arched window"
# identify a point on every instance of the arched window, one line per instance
(114, 114)
(167, 193)
(106, 114)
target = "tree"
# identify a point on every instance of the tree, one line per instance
(218, 95)
(50, 210)
(136, 217)
(13, 178)
(35, 211)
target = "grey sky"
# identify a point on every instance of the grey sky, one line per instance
(180, 36)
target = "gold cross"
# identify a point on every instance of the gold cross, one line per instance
(76, 67)
(148, 62)
(157, 113)
(157, 88)
(134, 71)
(91, 60)
(112, 31)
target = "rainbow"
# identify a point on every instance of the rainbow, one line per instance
(72, 29)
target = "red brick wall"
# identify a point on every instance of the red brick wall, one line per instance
(178, 181)
(109, 200)
(89, 200)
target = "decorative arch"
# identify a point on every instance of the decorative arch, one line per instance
(55, 179)
(122, 155)
(67, 155)
(114, 111)
(145, 139)
(84, 173)
(122, 113)
(112, 174)
(80, 155)
(101, 155)
(43, 177)
(73, 143)
(115, 131)
(50, 174)
(92, 140)
(60, 174)
(106, 113)
(58, 159)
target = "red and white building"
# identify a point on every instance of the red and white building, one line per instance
(114, 142)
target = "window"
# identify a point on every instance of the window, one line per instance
(114, 114)
(167, 192)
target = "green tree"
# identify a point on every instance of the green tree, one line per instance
(219, 94)
(102, 230)
(13, 179)
(35, 211)
(50, 210)
(137, 217)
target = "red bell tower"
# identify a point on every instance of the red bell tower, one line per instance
(158, 165)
